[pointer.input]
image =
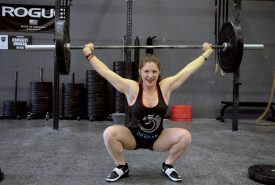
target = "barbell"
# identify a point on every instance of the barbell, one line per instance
(230, 47)
(224, 47)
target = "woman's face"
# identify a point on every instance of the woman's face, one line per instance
(149, 74)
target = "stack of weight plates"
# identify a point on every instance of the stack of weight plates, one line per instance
(73, 100)
(13, 109)
(119, 67)
(40, 100)
(96, 95)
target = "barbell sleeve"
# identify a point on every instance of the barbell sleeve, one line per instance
(224, 46)
(253, 46)
(40, 47)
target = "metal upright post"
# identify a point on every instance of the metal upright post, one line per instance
(236, 76)
(238, 9)
(128, 52)
(16, 86)
(56, 77)
(56, 96)
(62, 12)
(236, 84)
(128, 33)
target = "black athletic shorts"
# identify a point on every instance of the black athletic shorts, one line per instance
(141, 142)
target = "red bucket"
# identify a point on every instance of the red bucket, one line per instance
(181, 113)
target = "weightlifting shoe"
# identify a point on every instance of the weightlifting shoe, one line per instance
(119, 172)
(171, 173)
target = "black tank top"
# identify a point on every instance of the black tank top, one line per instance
(146, 123)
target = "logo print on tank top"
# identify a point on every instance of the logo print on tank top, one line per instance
(150, 123)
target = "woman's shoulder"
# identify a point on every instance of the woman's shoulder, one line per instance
(134, 87)
(133, 93)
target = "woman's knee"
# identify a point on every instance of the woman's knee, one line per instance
(119, 134)
(109, 133)
(186, 137)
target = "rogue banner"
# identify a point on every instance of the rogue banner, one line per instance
(26, 18)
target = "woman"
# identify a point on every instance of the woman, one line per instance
(148, 103)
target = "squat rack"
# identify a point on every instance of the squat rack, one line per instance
(63, 13)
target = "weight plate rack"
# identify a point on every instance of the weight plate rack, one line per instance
(14, 109)
(119, 67)
(96, 96)
(72, 100)
(40, 100)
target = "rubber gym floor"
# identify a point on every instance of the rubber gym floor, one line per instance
(32, 153)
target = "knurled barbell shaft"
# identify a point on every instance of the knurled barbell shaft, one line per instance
(52, 47)
(151, 46)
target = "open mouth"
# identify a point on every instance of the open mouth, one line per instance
(150, 80)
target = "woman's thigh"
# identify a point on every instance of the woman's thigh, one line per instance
(121, 134)
(169, 137)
